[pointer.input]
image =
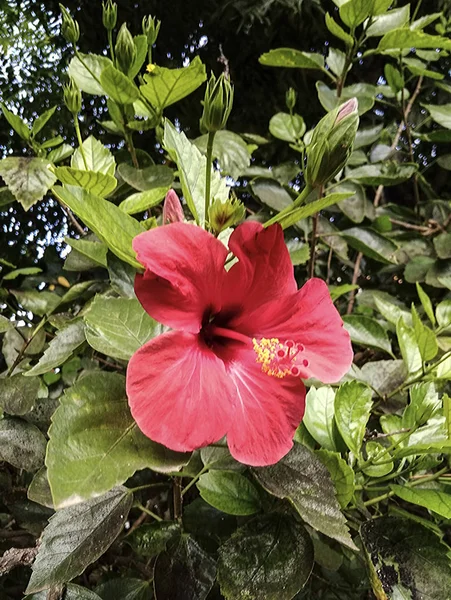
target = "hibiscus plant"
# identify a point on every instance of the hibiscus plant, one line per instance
(210, 400)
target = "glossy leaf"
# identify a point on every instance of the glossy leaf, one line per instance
(371, 244)
(393, 19)
(231, 151)
(142, 201)
(147, 178)
(353, 405)
(86, 72)
(366, 331)
(286, 127)
(404, 37)
(355, 12)
(312, 208)
(229, 492)
(125, 588)
(294, 59)
(319, 416)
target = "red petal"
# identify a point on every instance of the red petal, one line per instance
(267, 412)
(184, 274)
(179, 392)
(309, 318)
(264, 270)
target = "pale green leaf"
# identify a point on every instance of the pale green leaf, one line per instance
(86, 72)
(97, 156)
(97, 183)
(118, 86)
(288, 57)
(353, 403)
(61, 347)
(366, 331)
(142, 201)
(29, 179)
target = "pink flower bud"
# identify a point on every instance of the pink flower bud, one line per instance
(172, 209)
(346, 109)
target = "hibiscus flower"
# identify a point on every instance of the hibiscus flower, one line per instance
(242, 341)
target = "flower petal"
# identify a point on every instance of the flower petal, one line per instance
(179, 392)
(310, 318)
(184, 274)
(264, 270)
(267, 412)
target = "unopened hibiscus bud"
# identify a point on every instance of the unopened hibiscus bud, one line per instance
(125, 49)
(72, 97)
(217, 103)
(69, 27)
(331, 143)
(225, 214)
(109, 14)
(151, 29)
(172, 209)
(290, 98)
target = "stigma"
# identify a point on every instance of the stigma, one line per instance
(279, 358)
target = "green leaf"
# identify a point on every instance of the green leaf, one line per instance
(149, 178)
(391, 311)
(29, 179)
(231, 151)
(61, 347)
(424, 404)
(409, 347)
(442, 245)
(39, 303)
(122, 276)
(380, 463)
(295, 59)
(151, 539)
(72, 592)
(371, 244)
(386, 173)
(426, 303)
(94, 251)
(417, 67)
(60, 153)
(141, 46)
(366, 331)
(403, 554)
(302, 478)
(98, 158)
(341, 473)
(338, 31)
(118, 327)
(319, 416)
(425, 338)
(191, 165)
(142, 201)
(118, 86)
(106, 220)
(404, 37)
(443, 313)
(87, 77)
(311, 208)
(393, 19)
(286, 127)
(299, 252)
(5, 324)
(125, 588)
(164, 87)
(186, 572)
(97, 183)
(269, 558)
(21, 444)
(16, 123)
(438, 502)
(95, 444)
(39, 489)
(440, 114)
(229, 492)
(41, 121)
(77, 536)
(218, 458)
(384, 375)
(23, 271)
(354, 12)
(353, 403)
(367, 136)
(18, 394)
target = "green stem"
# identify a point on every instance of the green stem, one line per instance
(211, 137)
(195, 479)
(297, 202)
(148, 512)
(110, 43)
(147, 486)
(21, 352)
(80, 141)
(417, 9)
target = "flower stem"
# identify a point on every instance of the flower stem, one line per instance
(195, 479)
(211, 137)
(148, 512)
(110, 43)
(80, 141)
(297, 202)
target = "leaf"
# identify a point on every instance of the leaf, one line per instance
(271, 193)
(380, 463)
(18, 394)
(61, 347)
(302, 478)
(118, 327)
(77, 536)
(269, 558)
(122, 276)
(438, 502)
(341, 473)
(97, 183)
(408, 345)
(286, 127)
(94, 251)
(41, 121)
(23, 271)
(185, 573)
(21, 444)
(367, 332)
(148, 178)
(353, 13)
(191, 165)
(72, 592)
(311, 208)
(118, 86)
(440, 114)
(425, 338)
(39, 303)
(338, 31)
(443, 313)
(164, 87)
(95, 444)
(295, 59)
(60, 153)
(404, 37)
(319, 416)
(401, 552)
(367, 136)
(87, 77)
(353, 403)
(442, 245)
(29, 179)
(39, 489)
(384, 375)
(391, 311)
(393, 19)
(143, 200)
(371, 244)
(231, 151)
(385, 173)
(106, 220)
(150, 539)
(426, 303)
(98, 158)
(229, 492)
(125, 588)
(16, 122)
(424, 404)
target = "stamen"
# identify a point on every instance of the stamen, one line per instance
(277, 358)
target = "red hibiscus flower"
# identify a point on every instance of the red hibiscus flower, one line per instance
(243, 340)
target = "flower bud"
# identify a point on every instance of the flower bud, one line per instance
(225, 214)
(109, 14)
(72, 97)
(290, 98)
(125, 49)
(217, 103)
(331, 143)
(151, 28)
(69, 27)
(172, 209)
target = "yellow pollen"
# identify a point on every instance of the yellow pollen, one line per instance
(277, 358)
(150, 67)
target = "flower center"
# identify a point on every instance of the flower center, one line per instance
(279, 359)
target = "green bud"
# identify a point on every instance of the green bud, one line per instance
(217, 103)
(109, 14)
(151, 28)
(125, 49)
(72, 97)
(331, 143)
(69, 27)
(225, 214)
(290, 98)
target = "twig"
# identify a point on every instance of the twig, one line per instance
(69, 214)
(355, 277)
(17, 557)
